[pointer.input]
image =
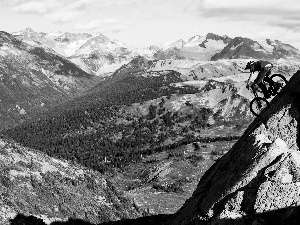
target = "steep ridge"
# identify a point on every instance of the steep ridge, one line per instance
(33, 183)
(241, 47)
(33, 78)
(215, 38)
(257, 181)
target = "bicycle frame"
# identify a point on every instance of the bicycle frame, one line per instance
(254, 92)
(256, 96)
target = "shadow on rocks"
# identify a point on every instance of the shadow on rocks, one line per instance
(288, 216)
(21, 219)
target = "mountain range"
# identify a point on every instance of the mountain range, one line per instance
(34, 78)
(95, 54)
(98, 55)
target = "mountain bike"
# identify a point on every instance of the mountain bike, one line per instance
(274, 85)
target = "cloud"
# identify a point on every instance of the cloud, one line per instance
(61, 16)
(36, 7)
(53, 11)
(110, 24)
(287, 24)
(271, 12)
(82, 4)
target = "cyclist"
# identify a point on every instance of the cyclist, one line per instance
(264, 68)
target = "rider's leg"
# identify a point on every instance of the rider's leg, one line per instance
(259, 82)
(264, 89)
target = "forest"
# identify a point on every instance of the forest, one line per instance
(87, 130)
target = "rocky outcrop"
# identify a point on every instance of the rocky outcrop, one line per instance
(258, 180)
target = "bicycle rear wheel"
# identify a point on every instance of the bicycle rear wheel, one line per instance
(258, 104)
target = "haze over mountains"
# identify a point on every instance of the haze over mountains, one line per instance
(150, 121)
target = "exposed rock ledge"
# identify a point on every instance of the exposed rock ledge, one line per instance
(258, 180)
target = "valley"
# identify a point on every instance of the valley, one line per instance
(146, 123)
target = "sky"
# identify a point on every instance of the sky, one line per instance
(141, 23)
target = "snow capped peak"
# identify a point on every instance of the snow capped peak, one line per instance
(178, 44)
(168, 44)
(196, 40)
(119, 43)
(74, 36)
(217, 37)
(196, 37)
(29, 30)
(54, 34)
(99, 34)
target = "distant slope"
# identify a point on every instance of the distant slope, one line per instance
(34, 78)
(33, 183)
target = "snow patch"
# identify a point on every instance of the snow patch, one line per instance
(217, 44)
(235, 47)
(266, 46)
(257, 47)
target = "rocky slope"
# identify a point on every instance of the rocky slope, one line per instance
(34, 78)
(257, 181)
(33, 183)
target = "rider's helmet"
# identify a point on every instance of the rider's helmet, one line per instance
(248, 66)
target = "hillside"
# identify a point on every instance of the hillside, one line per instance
(257, 180)
(34, 78)
(33, 183)
(134, 111)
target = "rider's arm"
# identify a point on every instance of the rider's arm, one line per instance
(249, 80)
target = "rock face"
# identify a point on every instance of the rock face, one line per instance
(258, 180)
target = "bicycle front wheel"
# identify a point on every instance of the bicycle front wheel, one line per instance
(258, 104)
(280, 81)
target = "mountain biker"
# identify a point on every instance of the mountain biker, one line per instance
(264, 68)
